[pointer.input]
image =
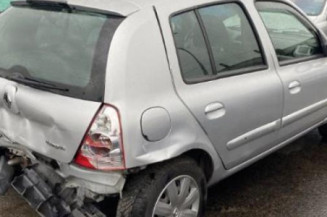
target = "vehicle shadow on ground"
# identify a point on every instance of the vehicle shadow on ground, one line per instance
(291, 182)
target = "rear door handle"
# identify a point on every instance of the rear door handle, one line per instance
(214, 110)
(294, 87)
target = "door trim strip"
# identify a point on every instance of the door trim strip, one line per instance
(254, 134)
(291, 118)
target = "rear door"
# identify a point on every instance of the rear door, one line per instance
(301, 63)
(226, 79)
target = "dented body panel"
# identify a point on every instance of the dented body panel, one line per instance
(40, 121)
(153, 80)
(158, 116)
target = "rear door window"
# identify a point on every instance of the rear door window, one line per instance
(191, 47)
(232, 40)
(216, 41)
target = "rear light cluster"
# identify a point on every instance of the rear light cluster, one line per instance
(102, 147)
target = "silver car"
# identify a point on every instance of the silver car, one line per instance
(316, 10)
(148, 101)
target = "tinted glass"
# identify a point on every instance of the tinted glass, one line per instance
(4, 4)
(191, 47)
(291, 37)
(311, 7)
(59, 47)
(233, 42)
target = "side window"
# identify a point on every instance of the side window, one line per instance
(291, 36)
(191, 47)
(233, 43)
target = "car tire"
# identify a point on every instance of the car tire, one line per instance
(174, 187)
(323, 131)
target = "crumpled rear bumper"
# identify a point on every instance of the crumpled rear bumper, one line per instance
(96, 181)
(57, 189)
(103, 183)
(40, 195)
(49, 197)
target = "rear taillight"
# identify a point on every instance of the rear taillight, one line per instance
(102, 146)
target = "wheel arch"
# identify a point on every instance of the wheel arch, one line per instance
(203, 159)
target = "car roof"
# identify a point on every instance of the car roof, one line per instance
(125, 7)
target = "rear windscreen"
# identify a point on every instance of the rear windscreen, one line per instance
(62, 47)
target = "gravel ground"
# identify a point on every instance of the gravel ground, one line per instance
(290, 182)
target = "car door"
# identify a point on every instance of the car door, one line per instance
(225, 78)
(301, 65)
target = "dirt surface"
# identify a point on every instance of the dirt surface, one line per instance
(291, 182)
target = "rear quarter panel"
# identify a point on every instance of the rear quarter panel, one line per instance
(138, 78)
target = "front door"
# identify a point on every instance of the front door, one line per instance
(302, 66)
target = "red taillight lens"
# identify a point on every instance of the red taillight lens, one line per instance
(102, 147)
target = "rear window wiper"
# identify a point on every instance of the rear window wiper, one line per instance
(29, 81)
(36, 83)
(44, 4)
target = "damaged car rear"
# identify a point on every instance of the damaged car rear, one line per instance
(52, 80)
(150, 102)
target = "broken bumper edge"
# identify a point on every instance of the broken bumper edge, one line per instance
(103, 183)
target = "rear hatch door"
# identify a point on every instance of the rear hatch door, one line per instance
(53, 60)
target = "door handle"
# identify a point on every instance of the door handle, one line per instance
(294, 87)
(214, 110)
